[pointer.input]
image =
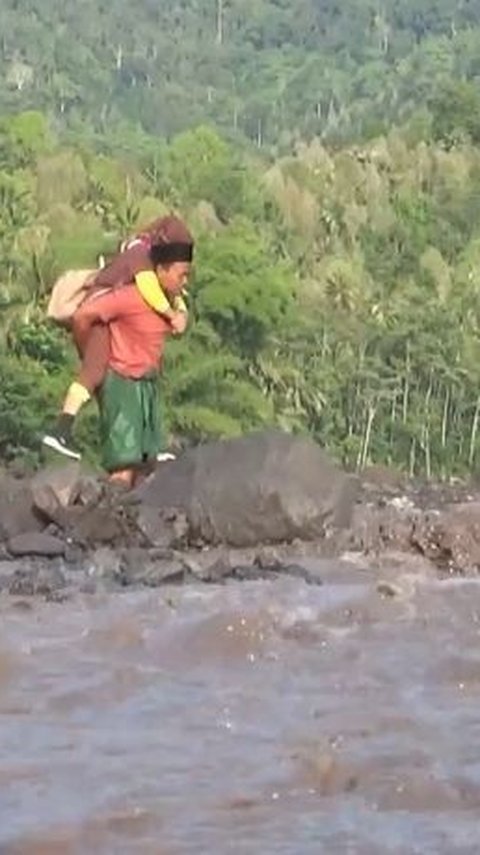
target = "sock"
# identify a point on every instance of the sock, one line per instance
(75, 398)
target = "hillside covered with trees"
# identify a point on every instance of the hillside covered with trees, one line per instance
(336, 292)
(269, 71)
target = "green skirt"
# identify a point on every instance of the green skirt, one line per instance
(130, 423)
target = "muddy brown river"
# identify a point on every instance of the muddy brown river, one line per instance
(257, 717)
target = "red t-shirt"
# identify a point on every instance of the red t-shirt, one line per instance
(137, 333)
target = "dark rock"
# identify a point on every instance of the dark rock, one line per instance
(36, 581)
(279, 567)
(138, 567)
(386, 590)
(163, 528)
(216, 572)
(232, 565)
(300, 572)
(90, 491)
(253, 573)
(47, 506)
(60, 482)
(54, 489)
(263, 488)
(17, 514)
(36, 543)
(97, 525)
(249, 573)
(73, 502)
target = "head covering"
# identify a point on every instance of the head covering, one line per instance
(164, 232)
(168, 240)
(169, 229)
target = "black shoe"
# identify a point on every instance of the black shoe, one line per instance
(57, 442)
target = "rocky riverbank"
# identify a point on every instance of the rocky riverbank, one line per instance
(251, 508)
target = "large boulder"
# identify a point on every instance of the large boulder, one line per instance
(265, 487)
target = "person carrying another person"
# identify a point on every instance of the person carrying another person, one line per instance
(132, 265)
(130, 417)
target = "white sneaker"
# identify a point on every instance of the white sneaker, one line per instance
(60, 444)
(165, 456)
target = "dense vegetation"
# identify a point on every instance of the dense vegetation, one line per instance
(272, 71)
(337, 276)
(335, 292)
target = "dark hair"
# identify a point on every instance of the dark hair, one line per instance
(168, 253)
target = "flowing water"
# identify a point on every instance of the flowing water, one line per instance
(263, 717)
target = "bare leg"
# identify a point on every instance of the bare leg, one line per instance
(94, 353)
(123, 478)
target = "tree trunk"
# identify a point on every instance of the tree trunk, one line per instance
(413, 454)
(406, 385)
(426, 429)
(445, 417)
(473, 433)
(363, 454)
(259, 134)
(219, 22)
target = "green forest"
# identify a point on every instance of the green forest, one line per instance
(268, 71)
(325, 156)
